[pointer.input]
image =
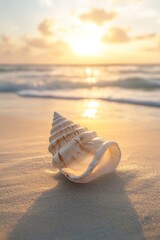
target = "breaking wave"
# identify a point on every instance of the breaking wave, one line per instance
(134, 84)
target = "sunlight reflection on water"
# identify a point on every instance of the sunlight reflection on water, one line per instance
(91, 110)
(91, 75)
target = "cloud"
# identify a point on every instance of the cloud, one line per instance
(11, 49)
(120, 35)
(7, 44)
(32, 49)
(5, 39)
(45, 27)
(26, 44)
(98, 16)
(61, 48)
(154, 48)
(36, 42)
(116, 35)
(145, 36)
(41, 44)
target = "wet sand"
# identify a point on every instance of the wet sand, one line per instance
(38, 203)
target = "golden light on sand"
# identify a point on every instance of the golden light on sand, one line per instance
(93, 104)
(91, 109)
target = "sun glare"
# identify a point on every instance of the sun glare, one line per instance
(91, 109)
(86, 47)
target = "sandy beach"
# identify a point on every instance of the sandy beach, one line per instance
(38, 203)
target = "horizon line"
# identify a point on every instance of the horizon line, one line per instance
(77, 64)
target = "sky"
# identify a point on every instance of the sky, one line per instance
(79, 31)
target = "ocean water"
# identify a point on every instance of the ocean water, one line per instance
(132, 84)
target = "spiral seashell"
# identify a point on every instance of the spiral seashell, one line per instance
(80, 154)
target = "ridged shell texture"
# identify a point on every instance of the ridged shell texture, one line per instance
(80, 154)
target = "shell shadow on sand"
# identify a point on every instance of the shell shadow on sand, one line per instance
(98, 210)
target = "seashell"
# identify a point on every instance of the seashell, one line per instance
(80, 154)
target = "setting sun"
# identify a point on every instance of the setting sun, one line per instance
(86, 47)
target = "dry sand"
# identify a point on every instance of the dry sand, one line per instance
(39, 204)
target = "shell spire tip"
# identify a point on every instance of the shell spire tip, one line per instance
(56, 114)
